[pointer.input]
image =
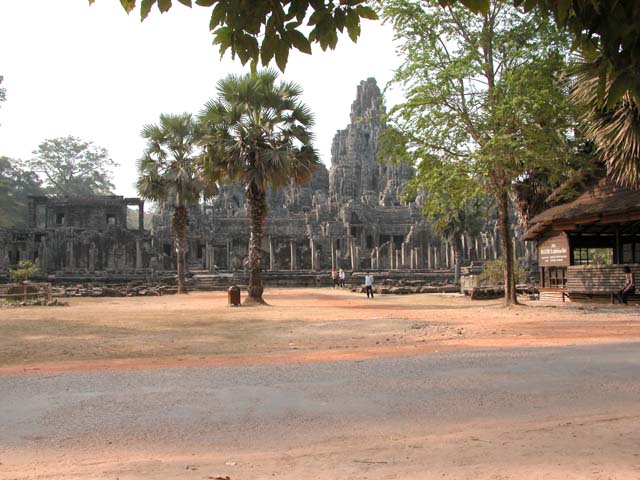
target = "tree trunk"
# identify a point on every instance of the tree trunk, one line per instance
(257, 212)
(180, 221)
(507, 249)
(457, 253)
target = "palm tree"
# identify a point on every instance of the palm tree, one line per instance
(169, 172)
(257, 131)
(613, 129)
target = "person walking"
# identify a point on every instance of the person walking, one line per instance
(368, 285)
(334, 278)
(342, 276)
(629, 287)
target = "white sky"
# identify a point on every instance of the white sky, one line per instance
(98, 74)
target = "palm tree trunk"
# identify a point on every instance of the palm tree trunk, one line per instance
(257, 213)
(507, 249)
(180, 221)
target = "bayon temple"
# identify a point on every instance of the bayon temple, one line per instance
(351, 216)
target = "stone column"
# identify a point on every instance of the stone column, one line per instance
(138, 254)
(398, 264)
(141, 216)
(391, 255)
(353, 254)
(313, 254)
(429, 263)
(412, 259)
(292, 246)
(212, 257)
(377, 258)
(229, 246)
(446, 254)
(403, 257)
(71, 259)
(333, 256)
(272, 258)
(436, 258)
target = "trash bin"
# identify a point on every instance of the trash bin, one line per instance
(233, 296)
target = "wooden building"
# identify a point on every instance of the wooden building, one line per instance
(584, 244)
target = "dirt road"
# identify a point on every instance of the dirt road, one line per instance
(552, 413)
(321, 384)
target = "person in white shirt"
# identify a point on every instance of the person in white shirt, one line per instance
(342, 276)
(368, 285)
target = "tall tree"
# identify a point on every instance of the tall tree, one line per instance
(169, 173)
(70, 166)
(481, 93)
(16, 184)
(258, 133)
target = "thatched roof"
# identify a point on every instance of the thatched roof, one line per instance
(603, 204)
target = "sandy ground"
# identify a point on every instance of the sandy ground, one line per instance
(298, 325)
(318, 325)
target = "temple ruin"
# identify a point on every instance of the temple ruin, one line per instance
(351, 216)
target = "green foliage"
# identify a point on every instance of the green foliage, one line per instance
(483, 108)
(257, 131)
(266, 29)
(611, 27)
(168, 170)
(613, 129)
(73, 167)
(26, 269)
(493, 272)
(16, 184)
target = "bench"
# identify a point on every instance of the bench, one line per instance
(597, 295)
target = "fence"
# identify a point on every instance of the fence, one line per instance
(25, 291)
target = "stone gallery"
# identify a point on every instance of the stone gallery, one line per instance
(351, 216)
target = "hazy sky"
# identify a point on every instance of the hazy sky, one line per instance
(99, 74)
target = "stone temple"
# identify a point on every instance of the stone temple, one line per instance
(351, 216)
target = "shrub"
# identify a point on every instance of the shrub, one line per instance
(493, 272)
(26, 269)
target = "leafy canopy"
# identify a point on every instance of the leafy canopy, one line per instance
(266, 29)
(611, 27)
(257, 131)
(168, 170)
(482, 100)
(73, 167)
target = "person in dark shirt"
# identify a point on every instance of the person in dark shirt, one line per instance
(629, 287)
